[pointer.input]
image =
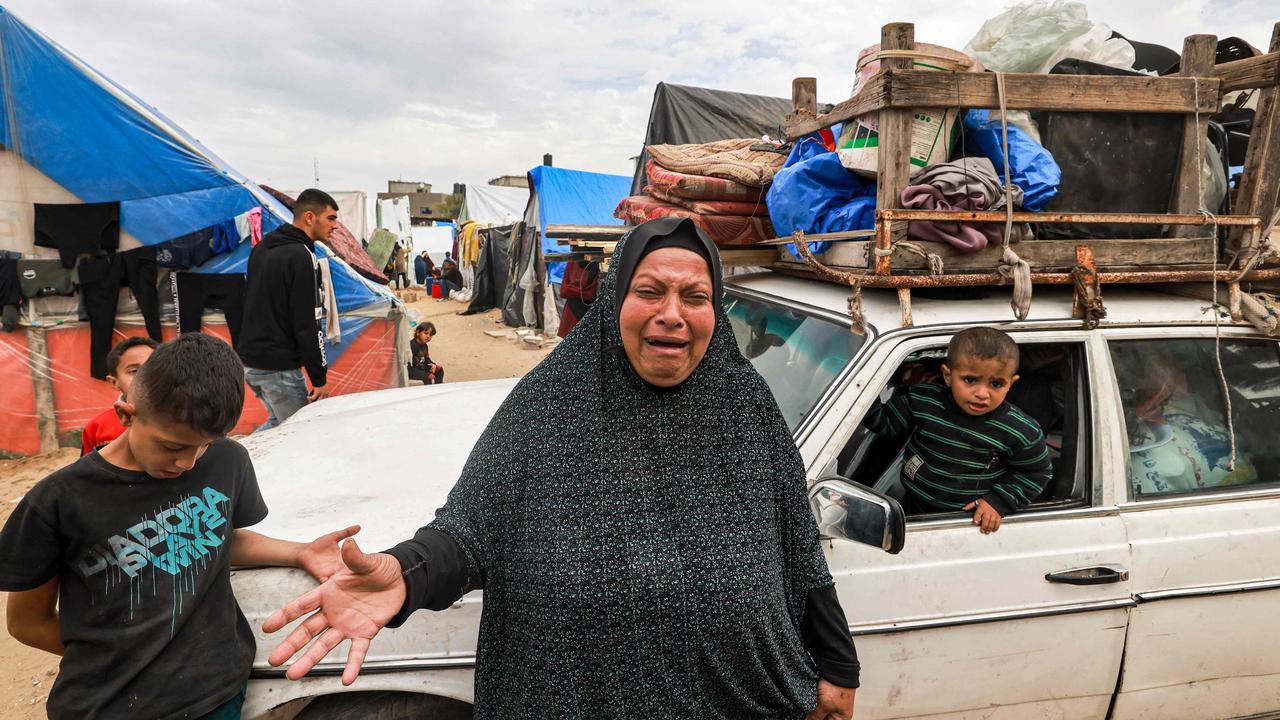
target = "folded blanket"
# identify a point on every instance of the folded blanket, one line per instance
(710, 207)
(967, 184)
(729, 159)
(724, 230)
(700, 187)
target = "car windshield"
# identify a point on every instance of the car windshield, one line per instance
(799, 355)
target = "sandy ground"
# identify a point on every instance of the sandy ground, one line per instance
(461, 345)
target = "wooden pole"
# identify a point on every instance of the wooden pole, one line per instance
(1197, 62)
(804, 96)
(893, 168)
(42, 382)
(1258, 184)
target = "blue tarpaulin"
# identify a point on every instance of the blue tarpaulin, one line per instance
(103, 144)
(574, 197)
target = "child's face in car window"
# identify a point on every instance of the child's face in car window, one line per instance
(979, 384)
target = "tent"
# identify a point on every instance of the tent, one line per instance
(70, 135)
(490, 285)
(682, 114)
(493, 205)
(353, 211)
(556, 197)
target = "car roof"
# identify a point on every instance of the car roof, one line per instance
(1125, 305)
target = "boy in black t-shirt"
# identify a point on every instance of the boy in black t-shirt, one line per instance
(120, 562)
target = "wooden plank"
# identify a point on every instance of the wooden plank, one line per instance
(587, 232)
(734, 257)
(1078, 217)
(1197, 61)
(1255, 72)
(1259, 183)
(893, 166)
(909, 89)
(823, 237)
(1042, 255)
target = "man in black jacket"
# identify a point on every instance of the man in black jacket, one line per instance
(281, 332)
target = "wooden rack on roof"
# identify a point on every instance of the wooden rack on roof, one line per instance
(1189, 254)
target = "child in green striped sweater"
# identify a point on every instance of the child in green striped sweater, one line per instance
(968, 450)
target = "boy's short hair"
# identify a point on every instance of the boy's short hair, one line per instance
(983, 343)
(313, 200)
(124, 346)
(196, 380)
(426, 325)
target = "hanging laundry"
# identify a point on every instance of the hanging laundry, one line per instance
(100, 276)
(226, 237)
(193, 292)
(188, 251)
(249, 225)
(141, 274)
(332, 329)
(78, 229)
(10, 294)
(39, 277)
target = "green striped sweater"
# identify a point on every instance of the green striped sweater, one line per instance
(954, 458)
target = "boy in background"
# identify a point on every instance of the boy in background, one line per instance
(969, 450)
(120, 562)
(122, 364)
(420, 366)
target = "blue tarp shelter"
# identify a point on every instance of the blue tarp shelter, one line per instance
(71, 134)
(571, 197)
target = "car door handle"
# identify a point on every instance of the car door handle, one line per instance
(1096, 575)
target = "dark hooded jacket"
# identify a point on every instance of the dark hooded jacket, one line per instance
(281, 328)
(644, 552)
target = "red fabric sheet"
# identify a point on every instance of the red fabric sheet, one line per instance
(700, 187)
(710, 207)
(726, 231)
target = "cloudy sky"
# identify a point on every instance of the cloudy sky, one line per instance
(463, 91)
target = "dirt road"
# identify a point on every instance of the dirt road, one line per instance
(461, 345)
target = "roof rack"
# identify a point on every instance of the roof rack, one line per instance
(1189, 254)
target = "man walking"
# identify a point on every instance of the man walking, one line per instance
(281, 332)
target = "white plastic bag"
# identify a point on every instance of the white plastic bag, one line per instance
(1035, 36)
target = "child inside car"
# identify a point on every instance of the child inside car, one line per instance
(968, 449)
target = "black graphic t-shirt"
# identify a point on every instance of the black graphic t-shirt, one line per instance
(147, 616)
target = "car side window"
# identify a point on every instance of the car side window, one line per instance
(1175, 414)
(1051, 391)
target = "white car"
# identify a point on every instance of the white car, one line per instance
(1144, 583)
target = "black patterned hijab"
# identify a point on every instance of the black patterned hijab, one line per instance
(643, 552)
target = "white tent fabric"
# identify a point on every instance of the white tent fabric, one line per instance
(493, 205)
(353, 210)
(435, 239)
(393, 215)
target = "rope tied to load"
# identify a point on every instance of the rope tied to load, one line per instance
(1011, 267)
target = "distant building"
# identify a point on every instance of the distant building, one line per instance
(521, 181)
(424, 205)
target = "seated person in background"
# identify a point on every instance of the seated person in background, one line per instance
(122, 364)
(420, 366)
(1178, 440)
(968, 450)
(450, 278)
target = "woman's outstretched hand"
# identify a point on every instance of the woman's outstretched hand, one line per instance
(354, 604)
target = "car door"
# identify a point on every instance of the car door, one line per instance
(1204, 639)
(966, 625)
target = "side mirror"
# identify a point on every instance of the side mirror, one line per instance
(852, 512)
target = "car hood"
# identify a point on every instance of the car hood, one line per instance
(385, 460)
